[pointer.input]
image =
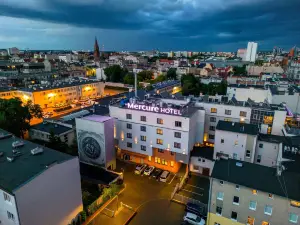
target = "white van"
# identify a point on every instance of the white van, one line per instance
(164, 176)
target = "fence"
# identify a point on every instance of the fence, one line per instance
(185, 200)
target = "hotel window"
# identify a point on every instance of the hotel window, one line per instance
(293, 218)
(159, 141)
(270, 196)
(128, 116)
(227, 112)
(177, 134)
(242, 113)
(258, 160)
(220, 196)
(213, 110)
(10, 216)
(172, 163)
(219, 210)
(268, 210)
(129, 144)
(129, 135)
(250, 220)
(252, 205)
(254, 192)
(6, 197)
(143, 138)
(160, 150)
(159, 131)
(129, 126)
(164, 162)
(143, 128)
(143, 118)
(236, 200)
(213, 119)
(149, 158)
(222, 141)
(212, 128)
(157, 160)
(248, 153)
(177, 145)
(211, 136)
(234, 215)
(178, 124)
(143, 148)
(160, 121)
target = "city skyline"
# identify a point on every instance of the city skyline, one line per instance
(157, 24)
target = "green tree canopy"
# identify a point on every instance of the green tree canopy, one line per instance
(129, 79)
(240, 70)
(115, 73)
(15, 116)
(145, 75)
(171, 74)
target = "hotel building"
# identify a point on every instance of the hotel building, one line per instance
(159, 132)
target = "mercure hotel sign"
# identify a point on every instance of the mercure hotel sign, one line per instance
(154, 109)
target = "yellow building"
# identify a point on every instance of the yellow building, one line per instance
(213, 219)
(64, 93)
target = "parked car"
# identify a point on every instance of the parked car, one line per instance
(164, 176)
(156, 174)
(193, 208)
(140, 168)
(149, 170)
(193, 219)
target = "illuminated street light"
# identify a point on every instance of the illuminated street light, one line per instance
(51, 94)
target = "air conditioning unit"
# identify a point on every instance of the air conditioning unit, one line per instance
(37, 150)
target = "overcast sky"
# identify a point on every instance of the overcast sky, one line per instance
(196, 25)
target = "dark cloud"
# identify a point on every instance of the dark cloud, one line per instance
(182, 24)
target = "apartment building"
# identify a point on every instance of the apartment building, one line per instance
(247, 193)
(236, 140)
(62, 130)
(159, 132)
(61, 93)
(254, 92)
(220, 108)
(38, 185)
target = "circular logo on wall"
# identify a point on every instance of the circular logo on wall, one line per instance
(91, 147)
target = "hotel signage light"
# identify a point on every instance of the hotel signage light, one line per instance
(155, 109)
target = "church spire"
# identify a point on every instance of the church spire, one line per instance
(96, 50)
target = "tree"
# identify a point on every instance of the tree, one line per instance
(149, 88)
(56, 143)
(15, 116)
(259, 62)
(190, 85)
(171, 74)
(115, 73)
(145, 75)
(240, 70)
(129, 79)
(160, 78)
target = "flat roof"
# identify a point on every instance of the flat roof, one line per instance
(26, 166)
(258, 177)
(97, 118)
(204, 152)
(48, 127)
(243, 128)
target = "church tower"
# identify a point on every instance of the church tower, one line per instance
(96, 51)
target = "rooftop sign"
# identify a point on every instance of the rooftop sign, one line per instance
(154, 109)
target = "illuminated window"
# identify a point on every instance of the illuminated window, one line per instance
(250, 220)
(158, 160)
(213, 110)
(271, 196)
(149, 158)
(265, 223)
(227, 119)
(163, 162)
(236, 143)
(252, 205)
(160, 121)
(159, 131)
(254, 192)
(159, 141)
(155, 159)
(295, 204)
(143, 138)
(242, 113)
(172, 163)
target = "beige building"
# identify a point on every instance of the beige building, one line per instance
(247, 193)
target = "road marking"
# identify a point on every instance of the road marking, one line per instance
(192, 192)
(172, 179)
(195, 187)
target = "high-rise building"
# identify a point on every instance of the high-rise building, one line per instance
(96, 51)
(250, 55)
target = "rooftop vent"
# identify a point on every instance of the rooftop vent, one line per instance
(232, 124)
(10, 159)
(4, 136)
(239, 164)
(37, 150)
